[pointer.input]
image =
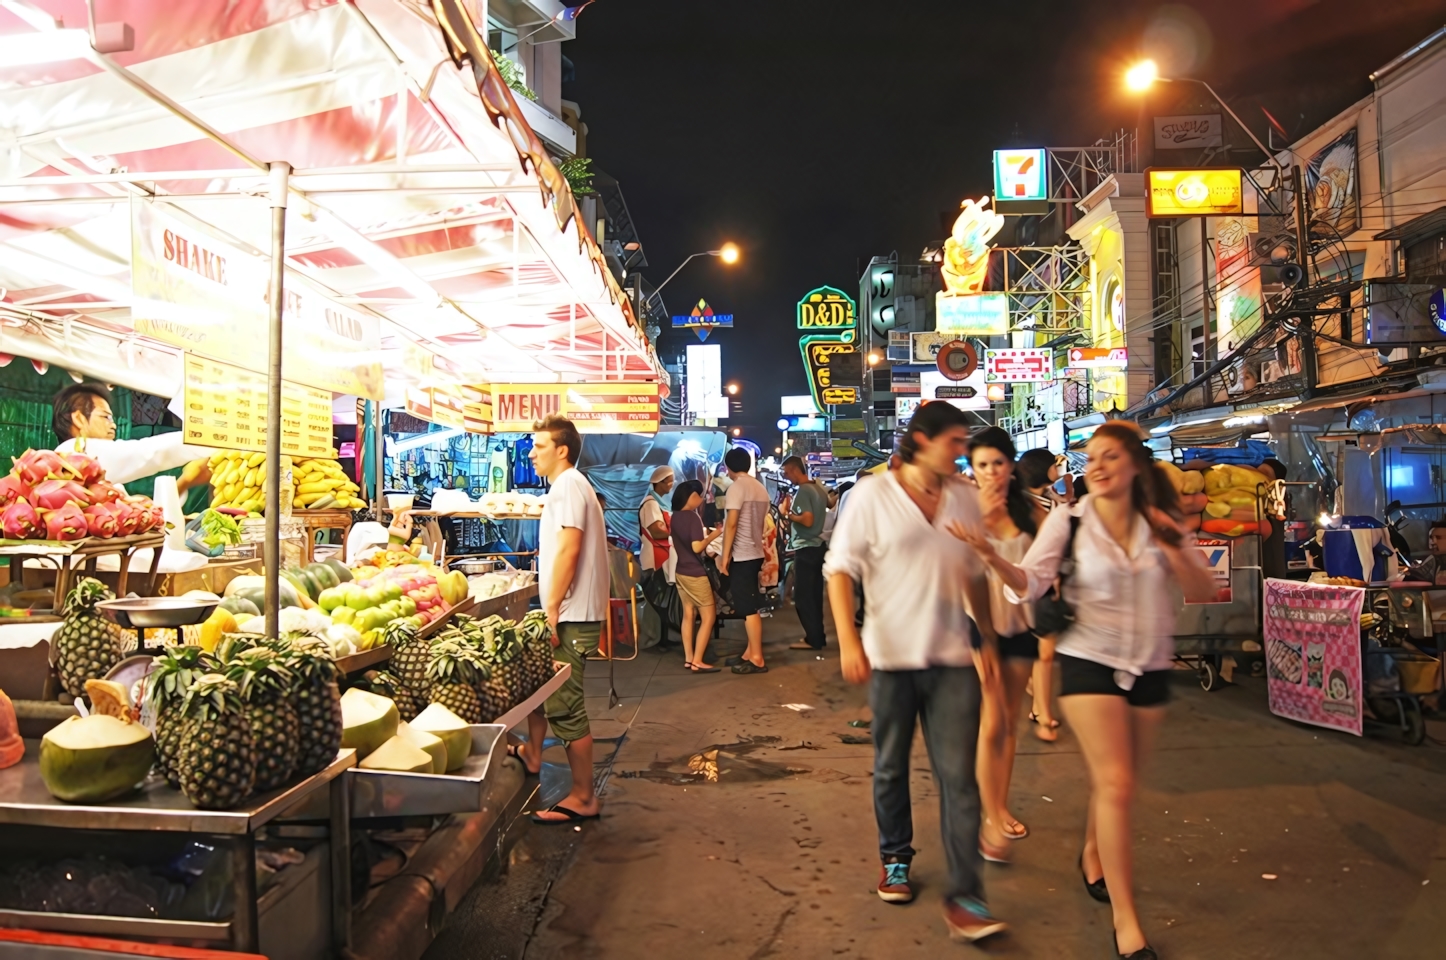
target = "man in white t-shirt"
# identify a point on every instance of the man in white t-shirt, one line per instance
(742, 561)
(572, 575)
(921, 590)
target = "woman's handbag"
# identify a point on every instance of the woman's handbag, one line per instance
(1052, 613)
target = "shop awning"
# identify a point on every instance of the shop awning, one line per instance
(414, 198)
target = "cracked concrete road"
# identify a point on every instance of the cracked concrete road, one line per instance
(766, 847)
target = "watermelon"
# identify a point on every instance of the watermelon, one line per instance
(343, 573)
(323, 575)
(235, 605)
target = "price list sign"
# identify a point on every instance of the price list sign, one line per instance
(225, 407)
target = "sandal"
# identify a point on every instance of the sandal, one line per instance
(702, 668)
(1014, 830)
(748, 666)
(1044, 731)
(570, 815)
(514, 750)
(991, 853)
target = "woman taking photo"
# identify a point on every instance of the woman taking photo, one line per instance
(1009, 523)
(1115, 654)
(690, 539)
(1038, 471)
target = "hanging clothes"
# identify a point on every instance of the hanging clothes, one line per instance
(522, 473)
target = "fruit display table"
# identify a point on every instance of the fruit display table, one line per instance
(25, 802)
(78, 557)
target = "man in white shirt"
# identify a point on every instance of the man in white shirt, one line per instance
(742, 561)
(654, 525)
(915, 653)
(572, 574)
(83, 423)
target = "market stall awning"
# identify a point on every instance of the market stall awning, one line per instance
(415, 199)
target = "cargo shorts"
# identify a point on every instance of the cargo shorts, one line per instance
(567, 708)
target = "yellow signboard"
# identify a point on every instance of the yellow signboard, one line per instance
(827, 309)
(195, 291)
(452, 405)
(593, 407)
(1194, 193)
(225, 407)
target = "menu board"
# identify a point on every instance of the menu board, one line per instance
(225, 407)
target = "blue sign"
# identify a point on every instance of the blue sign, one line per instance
(1437, 306)
(702, 319)
(804, 424)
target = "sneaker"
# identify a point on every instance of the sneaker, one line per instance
(969, 919)
(894, 882)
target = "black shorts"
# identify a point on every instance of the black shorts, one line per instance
(743, 586)
(1085, 676)
(1021, 646)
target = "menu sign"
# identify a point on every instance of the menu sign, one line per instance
(1313, 653)
(196, 291)
(225, 407)
(607, 407)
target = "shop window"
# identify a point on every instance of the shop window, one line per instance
(1426, 258)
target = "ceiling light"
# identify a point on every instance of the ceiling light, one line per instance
(426, 440)
(44, 46)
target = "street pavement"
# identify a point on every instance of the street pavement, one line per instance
(737, 827)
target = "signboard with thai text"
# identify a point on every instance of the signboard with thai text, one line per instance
(1312, 639)
(1020, 365)
(594, 407)
(1206, 192)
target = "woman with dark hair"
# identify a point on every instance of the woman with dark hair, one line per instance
(690, 539)
(1115, 655)
(1008, 522)
(1038, 471)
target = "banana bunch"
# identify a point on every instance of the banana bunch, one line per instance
(321, 484)
(238, 480)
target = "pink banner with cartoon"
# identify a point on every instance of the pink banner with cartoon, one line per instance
(1313, 653)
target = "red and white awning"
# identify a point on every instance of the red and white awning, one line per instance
(411, 198)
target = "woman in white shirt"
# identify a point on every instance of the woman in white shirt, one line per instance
(1008, 522)
(1115, 656)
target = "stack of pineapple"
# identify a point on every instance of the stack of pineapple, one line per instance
(478, 669)
(238, 481)
(321, 485)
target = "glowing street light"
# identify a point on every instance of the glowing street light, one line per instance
(728, 253)
(732, 389)
(874, 358)
(737, 431)
(1142, 76)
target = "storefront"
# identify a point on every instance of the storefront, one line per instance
(428, 251)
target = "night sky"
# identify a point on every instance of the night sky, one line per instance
(817, 135)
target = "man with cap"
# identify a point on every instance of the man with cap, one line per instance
(653, 521)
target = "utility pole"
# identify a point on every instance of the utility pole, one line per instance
(1308, 366)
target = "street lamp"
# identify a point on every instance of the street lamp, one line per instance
(732, 389)
(737, 431)
(728, 253)
(873, 358)
(1145, 74)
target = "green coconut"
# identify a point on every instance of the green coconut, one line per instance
(368, 720)
(451, 729)
(96, 758)
(399, 756)
(430, 743)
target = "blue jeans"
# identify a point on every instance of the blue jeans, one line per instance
(946, 700)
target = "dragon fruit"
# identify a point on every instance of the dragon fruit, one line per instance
(53, 494)
(36, 466)
(66, 523)
(100, 521)
(86, 469)
(103, 491)
(127, 517)
(19, 521)
(12, 488)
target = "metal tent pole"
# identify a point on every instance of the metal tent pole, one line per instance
(280, 174)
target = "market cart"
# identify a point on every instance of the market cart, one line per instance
(1229, 627)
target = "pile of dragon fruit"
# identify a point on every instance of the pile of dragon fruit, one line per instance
(65, 496)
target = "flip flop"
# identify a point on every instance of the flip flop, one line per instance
(515, 750)
(991, 853)
(571, 815)
(1008, 832)
(702, 669)
(1044, 732)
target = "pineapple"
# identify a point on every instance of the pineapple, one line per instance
(458, 682)
(504, 652)
(169, 681)
(318, 705)
(389, 685)
(265, 686)
(536, 648)
(217, 759)
(87, 645)
(410, 657)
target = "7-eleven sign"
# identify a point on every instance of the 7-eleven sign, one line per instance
(1020, 175)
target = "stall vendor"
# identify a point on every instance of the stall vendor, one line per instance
(83, 423)
(653, 521)
(1433, 568)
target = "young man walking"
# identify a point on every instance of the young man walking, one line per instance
(915, 651)
(806, 514)
(572, 574)
(742, 560)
